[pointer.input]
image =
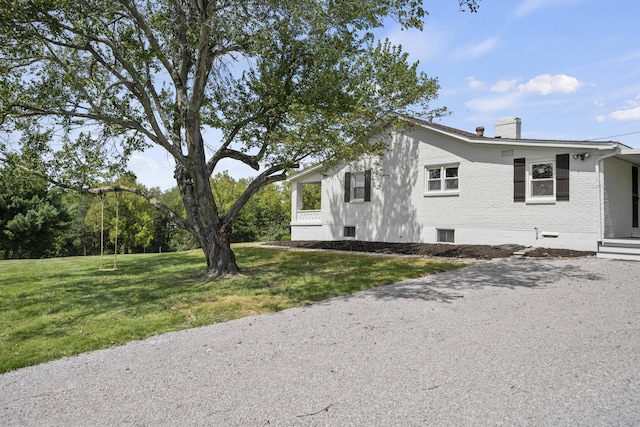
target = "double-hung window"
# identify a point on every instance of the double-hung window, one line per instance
(542, 182)
(441, 180)
(357, 186)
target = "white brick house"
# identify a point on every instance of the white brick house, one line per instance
(439, 184)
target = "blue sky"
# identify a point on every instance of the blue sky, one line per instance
(570, 69)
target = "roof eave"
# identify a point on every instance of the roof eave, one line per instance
(306, 171)
(544, 143)
(605, 145)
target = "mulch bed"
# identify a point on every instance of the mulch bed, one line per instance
(432, 250)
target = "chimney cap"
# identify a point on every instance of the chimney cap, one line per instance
(480, 130)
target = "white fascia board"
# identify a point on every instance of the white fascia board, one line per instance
(630, 155)
(608, 145)
(630, 151)
(305, 172)
(583, 145)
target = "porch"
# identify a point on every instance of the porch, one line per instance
(306, 197)
(625, 249)
(307, 217)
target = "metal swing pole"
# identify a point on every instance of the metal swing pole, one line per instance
(115, 251)
(101, 230)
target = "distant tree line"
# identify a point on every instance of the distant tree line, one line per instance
(38, 220)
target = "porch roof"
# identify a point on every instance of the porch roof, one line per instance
(630, 155)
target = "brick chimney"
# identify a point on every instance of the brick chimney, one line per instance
(508, 128)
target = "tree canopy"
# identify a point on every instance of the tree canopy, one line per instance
(281, 80)
(32, 214)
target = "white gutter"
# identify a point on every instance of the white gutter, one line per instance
(600, 162)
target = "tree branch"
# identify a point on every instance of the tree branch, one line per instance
(144, 25)
(224, 150)
(140, 86)
(165, 210)
(162, 208)
(262, 180)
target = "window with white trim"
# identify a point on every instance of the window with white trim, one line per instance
(441, 179)
(542, 180)
(357, 186)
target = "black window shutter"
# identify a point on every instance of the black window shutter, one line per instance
(347, 186)
(367, 185)
(562, 177)
(519, 180)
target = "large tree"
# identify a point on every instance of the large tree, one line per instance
(282, 80)
(32, 215)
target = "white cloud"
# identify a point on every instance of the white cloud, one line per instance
(530, 6)
(504, 86)
(153, 168)
(421, 45)
(600, 118)
(630, 114)
(474, 83)
(492, 104)
(631, 56)
(508, 96)
(547, 84)
(476, 50)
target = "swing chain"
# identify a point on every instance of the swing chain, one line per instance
(115, 251)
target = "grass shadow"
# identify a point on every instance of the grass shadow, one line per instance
(59, 307)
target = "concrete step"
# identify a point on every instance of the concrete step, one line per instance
(626, 249)
(621, 256)
(631, 243)
(620, 249)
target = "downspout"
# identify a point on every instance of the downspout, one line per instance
(599, 166)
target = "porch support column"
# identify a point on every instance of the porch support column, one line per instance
(600, 177)
(296, 200)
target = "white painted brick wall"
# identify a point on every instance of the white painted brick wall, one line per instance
(484, 211)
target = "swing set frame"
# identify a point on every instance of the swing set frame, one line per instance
(115, 250)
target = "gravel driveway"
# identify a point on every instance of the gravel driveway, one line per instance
(508, 342)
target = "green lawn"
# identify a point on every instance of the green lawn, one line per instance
(54, 308)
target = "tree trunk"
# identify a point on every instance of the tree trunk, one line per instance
(221, 260)
(205, 224)
(16, 251)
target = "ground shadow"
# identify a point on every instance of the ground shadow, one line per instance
(508, 273)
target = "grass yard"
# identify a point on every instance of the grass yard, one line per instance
(54, 308)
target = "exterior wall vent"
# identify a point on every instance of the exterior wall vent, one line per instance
(349, 231)
(445, 235)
